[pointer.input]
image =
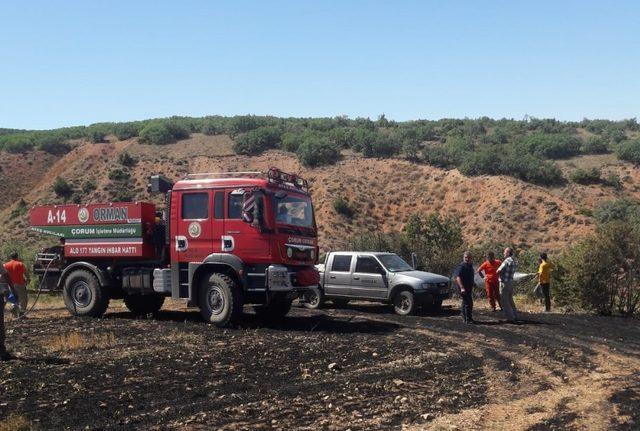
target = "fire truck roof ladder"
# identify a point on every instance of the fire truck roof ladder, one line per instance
(210, 175)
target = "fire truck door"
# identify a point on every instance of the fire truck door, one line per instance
(240, 237)
(193, 241)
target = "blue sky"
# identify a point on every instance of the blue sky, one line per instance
(78, 62)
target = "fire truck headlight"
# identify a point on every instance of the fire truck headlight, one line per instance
(289, 252)
(312, 254)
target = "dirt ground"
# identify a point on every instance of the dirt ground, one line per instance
(357, 368)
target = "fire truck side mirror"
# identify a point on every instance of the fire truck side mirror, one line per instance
(248, 207)
(159, 184)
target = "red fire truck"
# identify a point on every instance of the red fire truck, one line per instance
(222, 241)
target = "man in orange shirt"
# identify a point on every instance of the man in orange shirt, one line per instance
(17, 273)
(491, 281)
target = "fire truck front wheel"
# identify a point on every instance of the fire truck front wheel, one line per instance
(220, 300)
(83, 295)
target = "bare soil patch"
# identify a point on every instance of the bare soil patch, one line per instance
(358, 368)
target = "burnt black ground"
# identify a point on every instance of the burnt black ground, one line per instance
(358, 368)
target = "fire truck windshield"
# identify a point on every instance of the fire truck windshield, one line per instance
(294, 210)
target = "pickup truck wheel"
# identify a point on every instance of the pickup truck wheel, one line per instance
(404, 303)
(314, 299)
(141, 305)
(340, 302)
(220, 300)
(83, 295)
(275, 310)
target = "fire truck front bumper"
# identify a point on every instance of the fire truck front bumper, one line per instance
(282, 279)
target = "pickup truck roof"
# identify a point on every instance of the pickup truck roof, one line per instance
(374, 253)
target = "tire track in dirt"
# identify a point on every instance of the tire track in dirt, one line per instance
(570, 395)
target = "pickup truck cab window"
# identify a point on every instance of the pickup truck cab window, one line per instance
(368, 265)
(341, 263)
(394, 263)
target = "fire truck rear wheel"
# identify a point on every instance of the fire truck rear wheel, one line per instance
(142, 305)
(220, 300)
(83, 295)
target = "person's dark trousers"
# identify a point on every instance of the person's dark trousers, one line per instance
(546, 291)
(467, 306)
(3, 349)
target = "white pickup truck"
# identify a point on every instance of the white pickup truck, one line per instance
(381, 277)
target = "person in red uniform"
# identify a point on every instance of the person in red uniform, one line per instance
(488, 271)
(17, 273)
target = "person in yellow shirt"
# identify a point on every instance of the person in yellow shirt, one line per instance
(544, 278)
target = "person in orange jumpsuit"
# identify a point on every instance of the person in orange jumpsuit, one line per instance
(488, 271)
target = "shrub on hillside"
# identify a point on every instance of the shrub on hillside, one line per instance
(343, 137)
(126, 159)
(594, 145)
(317, 151)
(124, 131)
(20, 209)
(17, 144)
(177, 128)
(629, 151)
(615, 134)
(62, 188)
(613, 180)
(381, 146)
(411, 149)
(439, 156)
(291, 141)
(485, 161)
(257, 141)
(96, 135)
(530, 168)
(586, 176)
(118, 174)
(212, 126)
(247, 123)
(622, 210)
(362, 137)
(156, 134)
(89, 186)
(342, 207)
(55, 146)
(551, 146)
(507, 161)
(599, 273)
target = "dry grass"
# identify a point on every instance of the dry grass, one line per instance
(15, 422)
(78, 341)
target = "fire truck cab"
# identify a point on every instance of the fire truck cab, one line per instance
(222, 241)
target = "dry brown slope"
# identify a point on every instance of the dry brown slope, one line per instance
(383, 192)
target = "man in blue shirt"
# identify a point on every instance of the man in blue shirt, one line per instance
(464, 277)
